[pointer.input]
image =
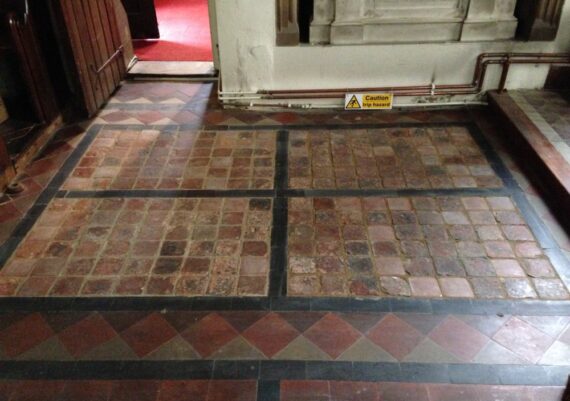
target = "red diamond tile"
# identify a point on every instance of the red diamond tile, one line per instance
(149, 117)
(284, 118)
(302, 320)
(333, 335)
(86, 335)
(121, 321)
(210, 334)
(116, 116)
(362, 321)
(8, 211)
(148, 334)
(60, 321)
(395, 336)
(242, 320)
(181, 320)
(24, 335)
(460, 339)
(523, 339)
(271, 334)
(185, 117)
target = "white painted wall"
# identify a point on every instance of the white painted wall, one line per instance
(250, 61)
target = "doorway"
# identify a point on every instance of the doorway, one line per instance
(171, 37)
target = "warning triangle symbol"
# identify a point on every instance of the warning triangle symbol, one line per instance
(353, 104)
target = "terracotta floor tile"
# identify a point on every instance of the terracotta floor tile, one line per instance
(380, 158)
(209, 334)
(458, 338)
(135, 390)
(271, 334)
(333, 335)
(523, 339)
(227, 390)
(25, 334)
(305, 391)
(154, 159)
(395, 336)
(86, 334)
(148, 334)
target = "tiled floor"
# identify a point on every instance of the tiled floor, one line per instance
(183, 252)
(145, 246)
(176, 159)
(244, 390)
(554, 108)
(438, 157)
(287, 336)
(424, 247)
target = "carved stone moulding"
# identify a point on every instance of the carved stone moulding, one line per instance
(411, 21)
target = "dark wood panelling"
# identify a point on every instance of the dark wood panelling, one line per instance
(32, 67)
(97, 48)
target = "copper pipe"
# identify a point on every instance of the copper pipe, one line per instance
(505, 59)
(424, 90)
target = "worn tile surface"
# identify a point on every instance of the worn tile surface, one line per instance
(94, 247)
(388, 158)
(285, 336)
(427, 247)
(176, 159)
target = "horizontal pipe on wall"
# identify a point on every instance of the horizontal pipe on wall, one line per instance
(483, 61)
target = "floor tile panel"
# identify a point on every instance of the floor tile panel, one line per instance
(456, 247)
(176, 159)
(446, 157)
(281, 336)
(102, 247)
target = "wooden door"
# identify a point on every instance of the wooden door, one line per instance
(142, 18)
(100, 48)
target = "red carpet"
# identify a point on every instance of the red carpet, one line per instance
(184, 33)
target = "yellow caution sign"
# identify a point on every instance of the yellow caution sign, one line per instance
(368, 101)
(353, 103)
